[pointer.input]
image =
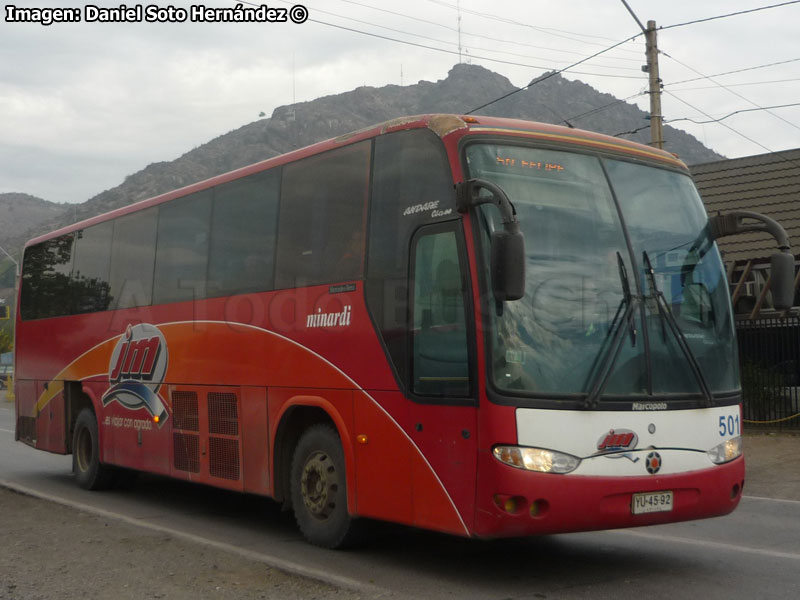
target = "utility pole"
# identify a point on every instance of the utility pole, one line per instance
(458, 10)
(656, 118)
(651, 68)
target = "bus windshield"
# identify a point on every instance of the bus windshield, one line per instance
(595, 318)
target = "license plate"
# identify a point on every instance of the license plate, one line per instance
(651, 502)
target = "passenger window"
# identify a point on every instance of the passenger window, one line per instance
(182, 248)
(133, 255)
(91, 269)
(322, 215)
(243, 235)
(46, 270)
(440, 363)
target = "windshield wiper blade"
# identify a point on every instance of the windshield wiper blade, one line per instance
(665, 316)
(626, 290)
(607, 355)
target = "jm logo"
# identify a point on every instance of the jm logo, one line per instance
(136, 371)
(136, 359)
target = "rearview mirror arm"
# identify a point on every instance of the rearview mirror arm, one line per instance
(468, 195)
(732, 223)
(782, 263)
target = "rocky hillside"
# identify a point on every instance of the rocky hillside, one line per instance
(23, 212)
(555, 100)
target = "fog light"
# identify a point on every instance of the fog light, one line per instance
(539, 508)
(510, 504)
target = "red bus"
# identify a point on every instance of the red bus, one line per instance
(481, 326)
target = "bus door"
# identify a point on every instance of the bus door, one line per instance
(443, 412)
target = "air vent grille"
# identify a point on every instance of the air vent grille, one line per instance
(184, 411)
(223, 413)
(186, 448)
(223, 458)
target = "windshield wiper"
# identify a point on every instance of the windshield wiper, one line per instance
(622, 323)
(665, 316)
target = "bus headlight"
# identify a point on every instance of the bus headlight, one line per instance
(536, 459)
(726, 451)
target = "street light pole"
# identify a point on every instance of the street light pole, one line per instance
(11, 258)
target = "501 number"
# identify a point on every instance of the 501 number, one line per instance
(729, 425)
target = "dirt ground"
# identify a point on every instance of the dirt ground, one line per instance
(52, 552)
(773, 465)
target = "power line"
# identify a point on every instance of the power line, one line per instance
(440, 41)
(733, 14)
(633, 131)
(737, 94)
(554, 32)
(552, 74)
(453, 52)
(739, 133)
(605, 106)
(774, 64)
(637, 130)
(736, 112)
(773, 152)
(477, 35)
(746, 83)
(711, 120)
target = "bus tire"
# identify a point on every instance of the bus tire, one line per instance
(319, 489)
(90, 474)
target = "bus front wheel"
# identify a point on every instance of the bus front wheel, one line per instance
(89, 472)
(319, 489)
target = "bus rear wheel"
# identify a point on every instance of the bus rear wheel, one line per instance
(89, 472)
(319, 489)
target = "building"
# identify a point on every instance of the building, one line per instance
(768, 184)
(769, 342)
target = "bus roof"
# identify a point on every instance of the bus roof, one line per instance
(444, 125)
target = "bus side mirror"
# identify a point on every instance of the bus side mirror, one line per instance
(782, 262)
(508, 265)
(782, 280)
(507, 261)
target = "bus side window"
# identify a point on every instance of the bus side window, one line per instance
(46, 284)
(322, 216)
(91, 290)
(133, 255)
(440, 358)
(243, 234)
(182, 248)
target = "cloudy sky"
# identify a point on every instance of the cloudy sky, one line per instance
(82, 105)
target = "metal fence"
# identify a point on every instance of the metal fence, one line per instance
(769, 359)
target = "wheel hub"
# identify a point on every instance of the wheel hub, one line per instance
(318, 485)
(83, 451)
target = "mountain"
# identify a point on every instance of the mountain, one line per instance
(19, 213)
(553, 100)
(22, 212)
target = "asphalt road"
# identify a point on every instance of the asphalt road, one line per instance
(752, 553)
